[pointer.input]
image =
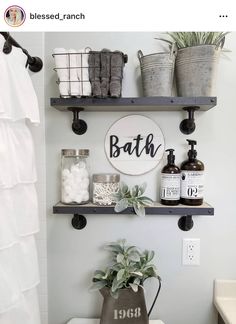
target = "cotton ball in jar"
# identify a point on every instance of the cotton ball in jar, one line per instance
(73, 168)
(73, 184)
(68, 179)
(84, 173)
(65, 174)
(85, 183)
(85, 195)
(66, 198)
(78, 186)
(78, 198)
(77, 177)
(67, 189)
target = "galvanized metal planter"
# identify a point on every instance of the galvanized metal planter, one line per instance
(157, 72)
(128, 308)
(196, 70)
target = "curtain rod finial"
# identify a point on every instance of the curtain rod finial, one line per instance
(36, 65)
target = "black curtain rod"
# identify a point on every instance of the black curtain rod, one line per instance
(35, 63)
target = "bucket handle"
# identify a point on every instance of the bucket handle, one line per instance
(140, 55)
(157, 294)
(173, 51)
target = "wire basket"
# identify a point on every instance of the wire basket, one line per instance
(90, 73)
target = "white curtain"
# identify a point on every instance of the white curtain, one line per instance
(19, 274)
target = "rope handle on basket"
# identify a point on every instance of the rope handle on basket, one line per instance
(157, 294)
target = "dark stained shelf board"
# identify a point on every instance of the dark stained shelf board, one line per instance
(134, 104)
(156, 209)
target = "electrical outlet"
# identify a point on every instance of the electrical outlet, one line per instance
(191, 251)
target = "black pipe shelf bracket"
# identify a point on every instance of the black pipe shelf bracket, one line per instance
(78, 221)
(185, 223)
(134, 104)
(187, 126)
(79, 126)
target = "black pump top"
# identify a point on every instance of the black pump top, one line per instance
(192, 154)
(171, 156)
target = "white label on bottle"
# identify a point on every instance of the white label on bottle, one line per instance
(192, 184)
(170, 186)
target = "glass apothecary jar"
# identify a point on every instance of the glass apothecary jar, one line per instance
(74, 176)
(104, 186)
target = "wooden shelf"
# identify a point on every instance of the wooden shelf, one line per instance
(156, 209)
(189, 104)
(135, 103)
(185, 222)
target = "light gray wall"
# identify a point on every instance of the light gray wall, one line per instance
(33, 42)
(187, 292)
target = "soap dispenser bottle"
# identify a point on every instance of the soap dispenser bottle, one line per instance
(170, 181)
(192, 178)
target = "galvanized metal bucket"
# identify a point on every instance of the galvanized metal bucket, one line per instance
(157, 72)
(196, 70)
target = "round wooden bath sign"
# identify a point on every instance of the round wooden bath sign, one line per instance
(134, 145)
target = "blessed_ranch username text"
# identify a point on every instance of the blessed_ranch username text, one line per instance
(57, 16)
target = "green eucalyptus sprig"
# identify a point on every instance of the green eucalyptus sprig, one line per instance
(133, 197)
(189, 39)
(129, 268)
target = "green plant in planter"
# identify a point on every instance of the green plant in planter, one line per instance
(189, 39)
(129, 268)
(133, 197)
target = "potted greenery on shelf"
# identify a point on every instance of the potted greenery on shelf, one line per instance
(121, 284)
(197, 60)
(133, 197)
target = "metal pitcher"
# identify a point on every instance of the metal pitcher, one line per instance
(128, 308)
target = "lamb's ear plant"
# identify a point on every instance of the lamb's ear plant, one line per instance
(133, 197)
(189, 39)
(129, 268)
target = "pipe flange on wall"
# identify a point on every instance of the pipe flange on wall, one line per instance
(187, 126)
(186, 223)
(79, 126)
(79, 221)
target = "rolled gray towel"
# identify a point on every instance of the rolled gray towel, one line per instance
(105, 71)
(94, 62)
(117, 65)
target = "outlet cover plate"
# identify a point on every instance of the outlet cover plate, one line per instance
(191, 251)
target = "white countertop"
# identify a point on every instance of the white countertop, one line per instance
(225, 300)
(97, 321)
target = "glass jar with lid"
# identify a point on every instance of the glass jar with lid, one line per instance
(74, 176)
(104, 187)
